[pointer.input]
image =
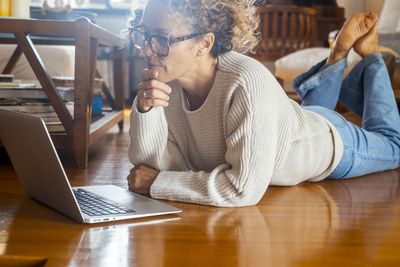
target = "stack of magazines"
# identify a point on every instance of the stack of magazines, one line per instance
(28, 98)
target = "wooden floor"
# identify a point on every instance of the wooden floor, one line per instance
(354, 222)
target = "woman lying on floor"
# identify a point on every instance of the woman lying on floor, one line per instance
(212, 126)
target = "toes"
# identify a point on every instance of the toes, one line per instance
(375, 27)
(368, 23)
(367, 44)
(370, 20)
(355, 32)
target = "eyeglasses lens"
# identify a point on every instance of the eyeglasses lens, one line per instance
(158, 44)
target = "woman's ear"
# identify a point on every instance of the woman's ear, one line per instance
(206, 44)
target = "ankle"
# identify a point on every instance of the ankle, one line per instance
(337, 54)
(368, 51)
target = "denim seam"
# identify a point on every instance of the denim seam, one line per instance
(360, 66)
(373, 158)
(298, 82)
(323, 74)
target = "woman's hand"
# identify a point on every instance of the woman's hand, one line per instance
(141, 178)
(151, 92)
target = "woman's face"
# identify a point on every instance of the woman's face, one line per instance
(159, 20)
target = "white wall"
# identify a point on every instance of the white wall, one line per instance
(351, 6)
(374, 5)
(354, 6)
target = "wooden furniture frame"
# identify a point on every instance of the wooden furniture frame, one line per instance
(80, 133)
(285, 29)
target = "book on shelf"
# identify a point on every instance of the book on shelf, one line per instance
(17, 84)
(55, 127)
(43, 110)
(27, 98)
(65, 81)
(66, 93)
(38, 108)
(25, 90)
(6, 77)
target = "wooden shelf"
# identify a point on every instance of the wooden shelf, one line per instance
(102, 125)
(97, 129)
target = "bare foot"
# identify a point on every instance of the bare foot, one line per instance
(368, 43)
(356, 27)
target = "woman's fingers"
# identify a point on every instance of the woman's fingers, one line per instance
(152, 92)
(140, 178)
(149, 74)
(156, 94)
(154, 84)
(151, 97)
(146, 104)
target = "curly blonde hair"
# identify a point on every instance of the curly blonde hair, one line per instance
(233, 22)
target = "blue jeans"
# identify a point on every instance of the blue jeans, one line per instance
(367, 92)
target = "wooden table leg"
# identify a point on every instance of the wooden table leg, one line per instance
(85, 57)
(119, 66)
(12, 61)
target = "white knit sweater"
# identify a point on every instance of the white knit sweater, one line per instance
(247, 135)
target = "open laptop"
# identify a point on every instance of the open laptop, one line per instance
(40, 171)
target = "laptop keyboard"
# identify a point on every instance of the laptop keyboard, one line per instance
(95, 205)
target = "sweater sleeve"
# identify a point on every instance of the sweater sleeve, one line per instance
(251, 128)
(151, 143)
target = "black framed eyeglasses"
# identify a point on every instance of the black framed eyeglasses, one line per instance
(159, 44)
